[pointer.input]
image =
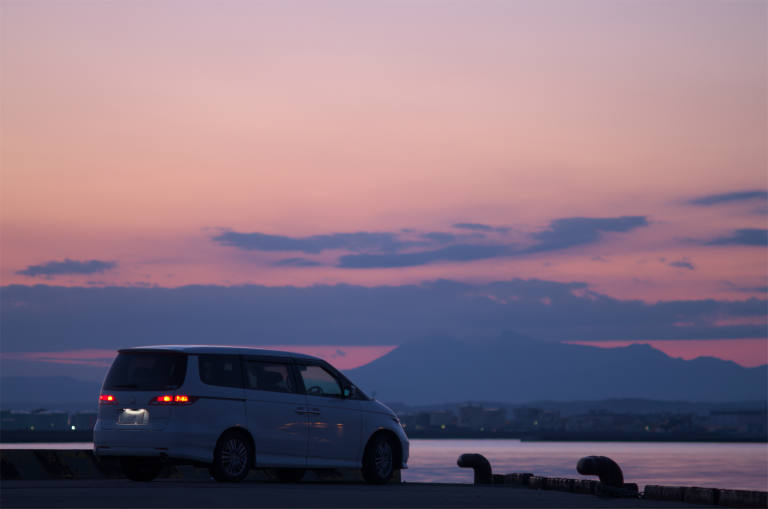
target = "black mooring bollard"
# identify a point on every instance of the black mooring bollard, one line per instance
(605, 468)
(481, 466)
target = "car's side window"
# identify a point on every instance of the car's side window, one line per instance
(319, 382)
(269, 376)
(221, 370)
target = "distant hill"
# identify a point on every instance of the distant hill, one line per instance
(516, 369)
(512, 369)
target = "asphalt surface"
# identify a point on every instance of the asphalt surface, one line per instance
(120, 493)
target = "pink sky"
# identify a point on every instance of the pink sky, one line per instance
(746, 352)
(135, 132)
(343, 357)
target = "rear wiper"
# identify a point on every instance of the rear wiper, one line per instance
(125, 386)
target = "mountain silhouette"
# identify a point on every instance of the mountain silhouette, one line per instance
(516, 369)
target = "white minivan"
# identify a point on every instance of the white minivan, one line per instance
(235, 409)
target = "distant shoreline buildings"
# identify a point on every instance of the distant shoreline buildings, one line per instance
(532, 421)
(475, 421)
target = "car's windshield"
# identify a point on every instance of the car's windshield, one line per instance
(146, 371)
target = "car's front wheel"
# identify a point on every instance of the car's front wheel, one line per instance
(141, 469)
(379, 460)
(232, 458)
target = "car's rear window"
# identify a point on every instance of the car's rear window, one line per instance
(145, 371)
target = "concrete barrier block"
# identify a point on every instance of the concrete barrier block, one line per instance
(7, 470)
(519, 478)
(537, 482)
(696, 495)
(584, 486)
(743, 498)
(627, 490)
(561, 484)
(49, 459)
(24, 464)
(79, 464)
(109, 466)
(656, 492)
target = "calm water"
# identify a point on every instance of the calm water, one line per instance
(735, 466)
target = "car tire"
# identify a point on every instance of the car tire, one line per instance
(379, 460)
(232, 458)
(141, 469)
(287, 475)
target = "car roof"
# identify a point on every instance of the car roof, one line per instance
(214, 349)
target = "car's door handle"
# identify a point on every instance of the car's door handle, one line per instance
(302, 411)
(314, 411)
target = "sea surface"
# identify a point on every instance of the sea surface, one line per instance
(715, 465)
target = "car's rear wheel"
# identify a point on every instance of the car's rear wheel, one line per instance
(141, 469)
(232, 458)
(287, 474)
(379, 460)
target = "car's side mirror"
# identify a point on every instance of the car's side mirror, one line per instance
(348, 392)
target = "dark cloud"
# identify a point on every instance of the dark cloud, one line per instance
(729, 285)
(456, 253)
(562, 234)
(575, 231)
(736, 196)
(388, 250)
(296, 262)
(34, 318)
(753, 289)
(359, 241)
(67, 267)
(743, 237)
(480, 227)
(440, 237)
(685, 263)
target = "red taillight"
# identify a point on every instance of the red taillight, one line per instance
(107, 399)
(178, 399)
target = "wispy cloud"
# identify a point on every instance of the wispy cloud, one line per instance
(562, 234)
(743, 237)
(297, 262)
(456, 253)
(575, 231)
(479, 227)
(409, 248)
(736, 196)
(358, 241)
(685, 263)
(57, 268)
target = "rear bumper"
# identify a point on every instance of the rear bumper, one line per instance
(169, 442)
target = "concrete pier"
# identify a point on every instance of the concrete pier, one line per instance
(75, 478)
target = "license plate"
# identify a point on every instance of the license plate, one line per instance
(133, 417)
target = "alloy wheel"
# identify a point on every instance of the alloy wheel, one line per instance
(234, 457)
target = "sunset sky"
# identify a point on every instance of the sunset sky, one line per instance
(618, 144)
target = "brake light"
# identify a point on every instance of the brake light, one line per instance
(107, 399)
(178, 399)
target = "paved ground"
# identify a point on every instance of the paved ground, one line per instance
(181, 493)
